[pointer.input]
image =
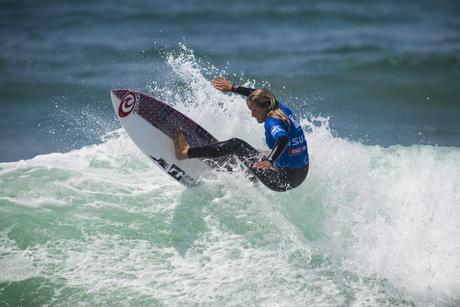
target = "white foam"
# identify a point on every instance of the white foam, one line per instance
(15, 264)
(392, 211)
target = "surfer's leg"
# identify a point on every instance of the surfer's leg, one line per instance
(274, 179)
(234, 146)
(281, 180)
(297, 175)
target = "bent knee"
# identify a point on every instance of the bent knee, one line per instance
(237, 144)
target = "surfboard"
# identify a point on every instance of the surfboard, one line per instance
(151, 123)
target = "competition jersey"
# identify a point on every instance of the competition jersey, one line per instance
(296, 153)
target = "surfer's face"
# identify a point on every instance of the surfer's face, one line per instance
(259, 113)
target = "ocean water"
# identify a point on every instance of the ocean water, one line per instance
(86, 219)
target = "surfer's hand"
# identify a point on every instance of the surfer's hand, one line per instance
(222, 84)
(264, 164)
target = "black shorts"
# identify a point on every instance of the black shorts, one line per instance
(278, 179)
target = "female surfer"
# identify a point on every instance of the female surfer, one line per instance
(287, 165)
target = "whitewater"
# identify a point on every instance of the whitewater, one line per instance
(371, 225)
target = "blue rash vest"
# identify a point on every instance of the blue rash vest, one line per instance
(296, 153)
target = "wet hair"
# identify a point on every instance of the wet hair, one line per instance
(265, 99)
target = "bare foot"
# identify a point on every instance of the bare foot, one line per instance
(180, 145)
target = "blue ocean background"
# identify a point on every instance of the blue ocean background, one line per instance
(86, 219)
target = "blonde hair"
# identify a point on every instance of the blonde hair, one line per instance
(265, 99)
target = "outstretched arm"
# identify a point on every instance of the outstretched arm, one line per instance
(226, 86)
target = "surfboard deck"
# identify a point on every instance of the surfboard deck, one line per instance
(151, 123)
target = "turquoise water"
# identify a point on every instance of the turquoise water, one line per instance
(85, 218)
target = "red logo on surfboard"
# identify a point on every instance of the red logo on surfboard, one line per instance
(127, 105)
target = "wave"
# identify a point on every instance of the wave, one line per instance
(369, 224)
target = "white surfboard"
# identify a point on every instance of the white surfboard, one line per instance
(151, 123)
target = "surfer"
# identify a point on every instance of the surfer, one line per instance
(286, 167)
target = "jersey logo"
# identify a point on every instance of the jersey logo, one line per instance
(297, 141)
(297, 151)
(275, 130)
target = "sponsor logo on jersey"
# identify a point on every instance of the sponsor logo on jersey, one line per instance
(275, 130)
(297, 141)
(127, 104)
(297, 151)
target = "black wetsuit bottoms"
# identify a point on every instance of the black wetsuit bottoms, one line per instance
(281, 179)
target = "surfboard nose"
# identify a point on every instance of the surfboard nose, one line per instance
(116, 97)
(118, 93)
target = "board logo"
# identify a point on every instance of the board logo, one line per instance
(127, 105)
(174, 171)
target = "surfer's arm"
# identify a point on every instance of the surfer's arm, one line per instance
(245, 91)
(226, 86)
(280, 146)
